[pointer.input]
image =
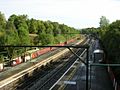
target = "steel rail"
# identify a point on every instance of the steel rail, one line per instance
(66, 71)
(57, 72)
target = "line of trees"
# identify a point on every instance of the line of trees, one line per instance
(20, 30)
(109, 35)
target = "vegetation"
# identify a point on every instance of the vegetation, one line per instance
(109, 35)
(19, 30)
(111, 42)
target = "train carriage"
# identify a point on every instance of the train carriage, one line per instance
(98, 55)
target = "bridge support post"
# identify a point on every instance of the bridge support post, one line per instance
(87, 70)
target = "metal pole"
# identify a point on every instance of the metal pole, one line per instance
(87, 71)
(90, 76)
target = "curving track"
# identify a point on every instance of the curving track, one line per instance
(37, 76)
(46, 82)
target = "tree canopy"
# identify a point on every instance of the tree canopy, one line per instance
(19, 30)
(104, 22)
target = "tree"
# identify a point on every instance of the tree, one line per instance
(19, 26)
(23, 34)
(16, 20)
(46, 39)
(104, 22)
(12, 18)
(56, 29)
(59, 38)
(111, 40)
(2, 36)
(11, 38)
(2, 28)
(11, 34)
(2, 21)
(41, 27)
(33, 26)
(49, 27)
(16, 31)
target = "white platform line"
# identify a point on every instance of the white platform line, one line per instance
(66, 71)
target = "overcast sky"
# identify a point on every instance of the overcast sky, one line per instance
(75, 13)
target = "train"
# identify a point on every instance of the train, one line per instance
(32, 54)
(98, 53)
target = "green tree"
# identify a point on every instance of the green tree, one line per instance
(11, 39)
(2, 36)
(59, 38)
(46, 39)
(2, 28)
(104, 22)
(16, 20)
(49, 27)
(12, 18)
(41, 27)
(33, 26)
(23, 34)
(111, 41)
(11, 34)
(56, 29)
(2, 21)
(19, 26)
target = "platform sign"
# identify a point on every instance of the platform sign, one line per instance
(70, 82)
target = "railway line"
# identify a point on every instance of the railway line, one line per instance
(75, 79)
(24, 74)
(60, 84)
(45, 82)
(41, 75)
(59, 73)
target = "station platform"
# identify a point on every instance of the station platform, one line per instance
(12, 73)
(98, 78)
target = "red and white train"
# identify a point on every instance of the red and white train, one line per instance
(31, 54)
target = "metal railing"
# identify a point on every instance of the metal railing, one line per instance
(114, 82)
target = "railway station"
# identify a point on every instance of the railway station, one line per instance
(98, 79)
(59, 45)
(71, 76)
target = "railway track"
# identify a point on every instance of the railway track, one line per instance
(40, 74)
(35, 77)
(44, 82)
(59, 73)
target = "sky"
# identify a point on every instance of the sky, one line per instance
(74, 13)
